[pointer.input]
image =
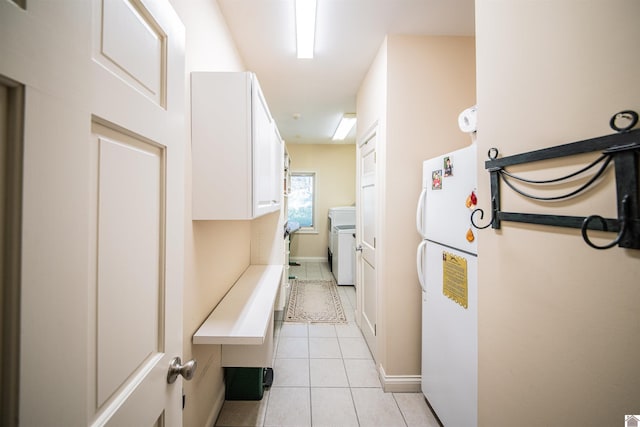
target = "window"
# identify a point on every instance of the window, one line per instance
(302, 200)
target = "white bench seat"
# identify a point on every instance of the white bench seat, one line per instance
(245, 314)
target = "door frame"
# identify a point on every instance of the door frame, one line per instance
(12, 146)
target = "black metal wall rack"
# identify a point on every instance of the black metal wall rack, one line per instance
(623, 148)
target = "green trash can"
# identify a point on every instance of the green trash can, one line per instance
(246, 383)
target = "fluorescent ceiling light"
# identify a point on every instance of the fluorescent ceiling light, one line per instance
(305, 27)
(346, 124)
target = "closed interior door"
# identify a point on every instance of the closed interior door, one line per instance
(367, 261)
(102, 219)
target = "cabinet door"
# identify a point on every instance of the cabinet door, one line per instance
(277, 168)
(221, 133)
(263, 198)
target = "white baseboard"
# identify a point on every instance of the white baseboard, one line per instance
(217, 407)
(308, 259)
(400, 383)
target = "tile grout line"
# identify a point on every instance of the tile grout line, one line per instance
(399, 409)
(353, 402)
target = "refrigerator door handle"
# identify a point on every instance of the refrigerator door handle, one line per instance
(419, 213)
(419, 264)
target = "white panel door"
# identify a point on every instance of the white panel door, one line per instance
(366, 263)
(102, 218)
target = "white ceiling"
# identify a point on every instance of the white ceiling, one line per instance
(348, 36)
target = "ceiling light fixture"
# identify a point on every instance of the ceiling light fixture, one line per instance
(344, 127)
(305, 27)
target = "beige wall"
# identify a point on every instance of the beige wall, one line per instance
(558, 321)
(371, 107)
(335, 167)
(414, 90)
(216, 252)
(431, 80)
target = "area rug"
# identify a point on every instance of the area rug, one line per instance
(315, 301)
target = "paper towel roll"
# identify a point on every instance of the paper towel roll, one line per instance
(467, 120)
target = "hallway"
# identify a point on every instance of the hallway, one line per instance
(324, 375)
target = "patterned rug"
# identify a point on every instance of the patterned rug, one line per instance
(315, 301)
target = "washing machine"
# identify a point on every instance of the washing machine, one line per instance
(343, 260)
(340, 215)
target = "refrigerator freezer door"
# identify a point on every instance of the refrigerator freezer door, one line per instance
(450, 181)
(449, 342)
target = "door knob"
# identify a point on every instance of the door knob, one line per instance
(177, 368)
(359, 248)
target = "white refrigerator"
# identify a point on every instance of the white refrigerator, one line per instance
(447, 270)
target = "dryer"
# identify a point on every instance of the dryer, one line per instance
(343, 260)
(340, 215)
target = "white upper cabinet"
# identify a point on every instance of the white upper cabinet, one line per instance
(236, 149)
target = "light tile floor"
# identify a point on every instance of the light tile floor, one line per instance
(324, 375)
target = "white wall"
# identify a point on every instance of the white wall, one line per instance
(558, 321)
